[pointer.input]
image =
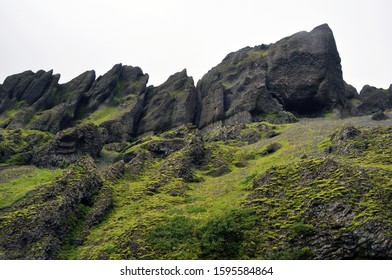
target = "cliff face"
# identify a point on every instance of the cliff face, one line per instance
(206, 171)
(299, 75)
(169, 105)
(304, 72)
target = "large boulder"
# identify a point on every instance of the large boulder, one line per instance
(380, 116)
(304, 72)
(301, 74)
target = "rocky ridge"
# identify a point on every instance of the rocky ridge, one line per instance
(184, 169)
(297, 76)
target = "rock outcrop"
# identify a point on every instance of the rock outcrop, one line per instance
(201, 171)
(57, 109)
(375, 99)
(37, 227)
(379, 116)
(126, 97)
(297, 76)
(69, 145)
(169, 105)
(235, 90)
(304, 72)
(43, 104)
(300, 74)
(113, 88)
(334, 222)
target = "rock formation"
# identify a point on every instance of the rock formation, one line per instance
(375, 99)
(299, 75)
(36, 228)
(158, 157)
(169, 105)
(69, 145)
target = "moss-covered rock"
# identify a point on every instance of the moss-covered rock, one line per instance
(17, 146)
(37, 226)
(334, 209)
(69, 145)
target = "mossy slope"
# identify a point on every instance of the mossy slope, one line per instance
(255, 191)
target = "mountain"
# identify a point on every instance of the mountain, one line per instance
(270, 155)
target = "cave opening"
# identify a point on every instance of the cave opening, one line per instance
(306, 107)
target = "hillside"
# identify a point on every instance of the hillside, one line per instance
(270, 156)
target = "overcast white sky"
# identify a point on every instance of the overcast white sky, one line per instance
(165, 36)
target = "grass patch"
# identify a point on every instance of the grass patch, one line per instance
(103, 114)
(17, 181)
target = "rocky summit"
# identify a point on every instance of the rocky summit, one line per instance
(270, 155)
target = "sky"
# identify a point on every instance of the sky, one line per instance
(163, 37)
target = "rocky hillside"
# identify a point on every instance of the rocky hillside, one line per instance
(271, 155)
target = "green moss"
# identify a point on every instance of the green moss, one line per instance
(299, 229)
(264, 205)
(16, 145)
(8, 115)
(103, 114)
(255, 54)
(19, 180)
(197, 209)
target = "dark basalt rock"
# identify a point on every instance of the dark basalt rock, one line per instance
(350, 92)
(345, 133)
(299, 74)
(48, 106)
(16, 146)
(375, 99)
(235, 90)
(28, 86)
(58, 108)
(22, 91)
(116, 84)
(169, 105)
(122, 87)
(163, 148)
(13, 88)
(331, 226)
(69, 145)
(304, 72)
(368, 241)
(115, 171)
(379, 116)
(20, 119)
(43, 104)
(124, 128)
